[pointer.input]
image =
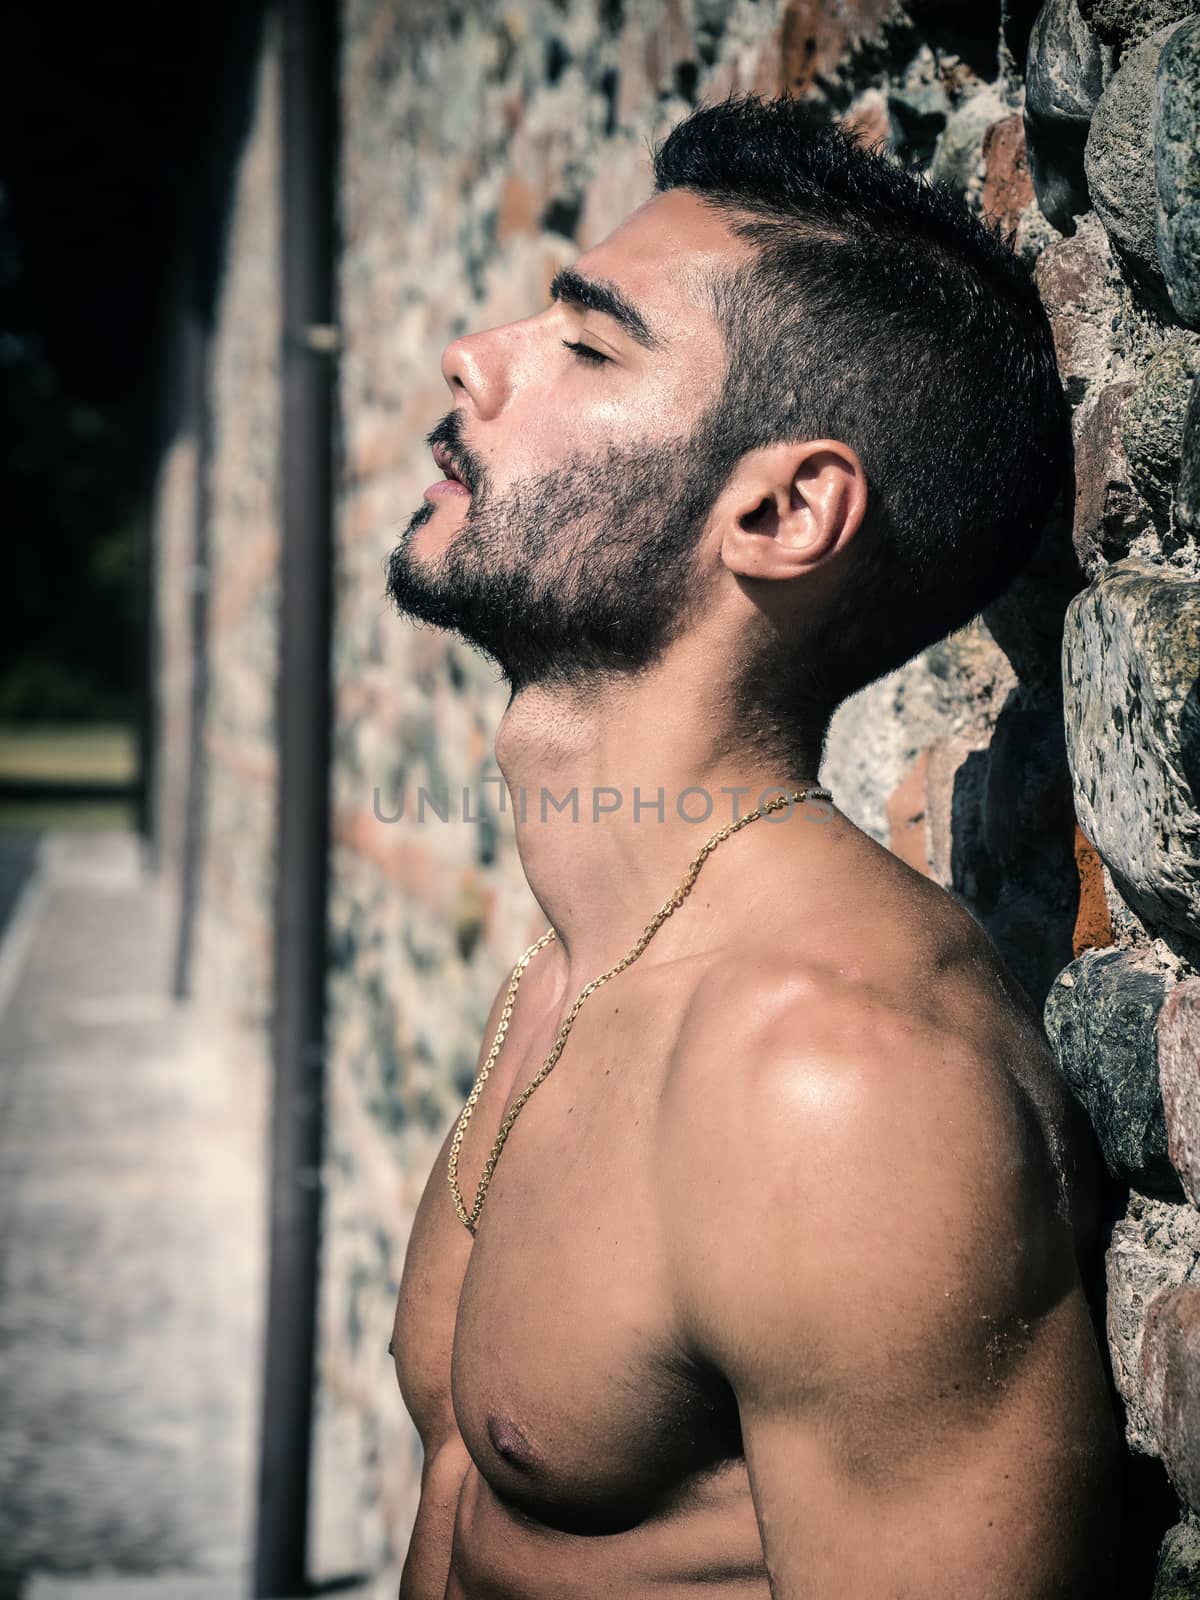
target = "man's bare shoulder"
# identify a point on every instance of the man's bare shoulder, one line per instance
(778, 1043)
(895, 964)
(872, 961)
(884, 1084)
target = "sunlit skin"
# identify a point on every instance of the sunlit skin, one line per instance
(776, 1289)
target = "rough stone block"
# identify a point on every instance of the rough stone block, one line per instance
(1093, 928)
(1171, 1384)
(1069, 66)
(1187, 490)
(815, 36)
(1022, 861)
(1067, 70)
(1101, 1016)
(1073, 278)
(1154, 1246)
(1007, 188)
(1179, 1079)
(1152, 428)
(919, 106)
(1119, 159)
(1126, 22)
(1131, 657)
(952, 766)
(1177, 169)
(908, 827)
(958, 157)
(1109, 511)
(1188, 487)
(1178, 1574)
(867, 116)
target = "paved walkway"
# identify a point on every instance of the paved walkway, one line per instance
(132, 1234)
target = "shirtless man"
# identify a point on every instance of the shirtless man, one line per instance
(778, 1288)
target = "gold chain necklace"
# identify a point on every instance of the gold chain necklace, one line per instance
(469, 1219)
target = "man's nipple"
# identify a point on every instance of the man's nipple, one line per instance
(509, 1443)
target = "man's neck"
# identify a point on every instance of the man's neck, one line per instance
(614, 791)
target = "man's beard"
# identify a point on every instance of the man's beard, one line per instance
(584, 572)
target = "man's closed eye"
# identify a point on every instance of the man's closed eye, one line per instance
(584, 351)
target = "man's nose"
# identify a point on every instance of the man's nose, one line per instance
(478, 369)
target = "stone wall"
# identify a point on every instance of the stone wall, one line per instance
(240, 466)
(234, 943)
(1042, 764)
(1124, 289)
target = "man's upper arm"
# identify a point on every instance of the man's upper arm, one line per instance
(865, 1250)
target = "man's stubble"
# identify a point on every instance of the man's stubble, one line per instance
(585, 572)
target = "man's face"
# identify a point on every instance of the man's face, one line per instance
(568, 551)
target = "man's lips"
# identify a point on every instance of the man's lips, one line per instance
(447, 489)
(445, 460)
(452, 485)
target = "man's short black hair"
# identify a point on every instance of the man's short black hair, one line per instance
(877, 310)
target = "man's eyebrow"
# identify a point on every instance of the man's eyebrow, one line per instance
(595, 294)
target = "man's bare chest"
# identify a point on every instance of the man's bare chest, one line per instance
(553, 1331)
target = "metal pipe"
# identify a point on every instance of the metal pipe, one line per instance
(304, 710)
(146, 676)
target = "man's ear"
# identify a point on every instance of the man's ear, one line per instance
(788, 508)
